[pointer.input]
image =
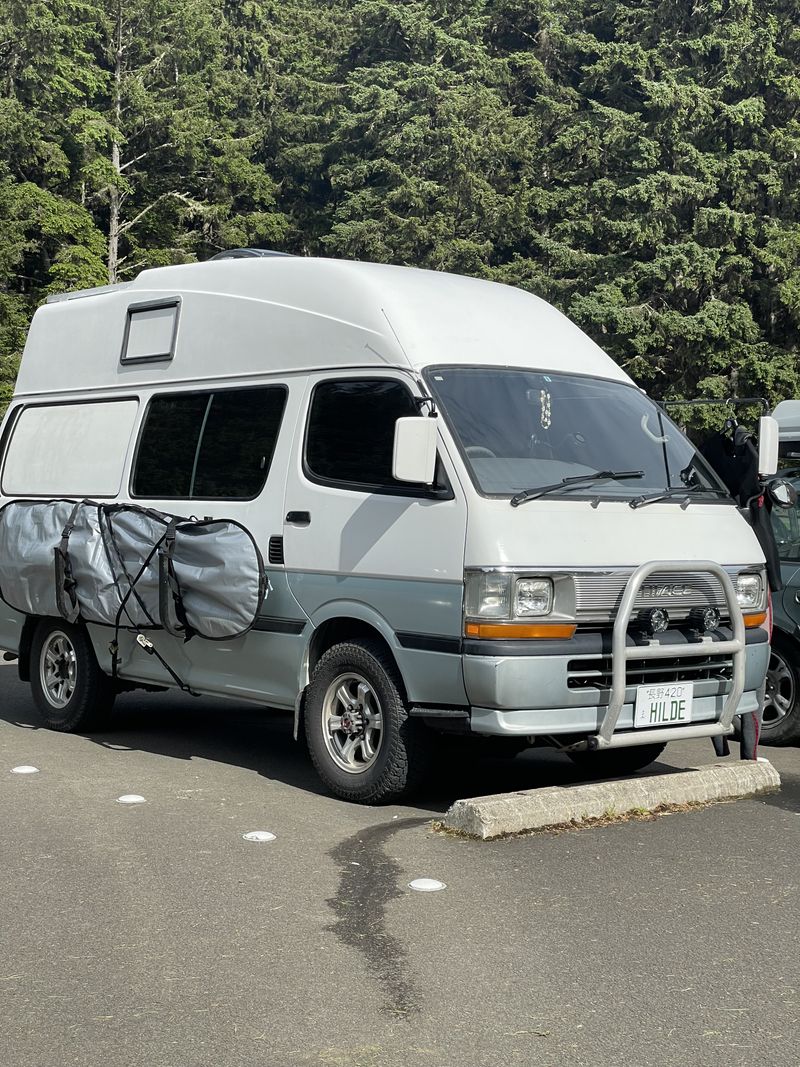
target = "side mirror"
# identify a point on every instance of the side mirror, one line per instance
(782, 493)
(414, 456)
(767, 446)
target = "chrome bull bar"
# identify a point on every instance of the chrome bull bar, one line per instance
(621, 652)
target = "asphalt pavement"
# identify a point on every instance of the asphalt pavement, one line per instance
(155, 934)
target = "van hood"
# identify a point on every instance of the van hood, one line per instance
(572, 534)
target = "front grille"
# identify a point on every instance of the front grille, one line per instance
(596, 673)
(598, 595)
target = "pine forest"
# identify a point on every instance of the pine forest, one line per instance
(635, 163)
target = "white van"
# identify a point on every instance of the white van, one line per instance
(472, 519)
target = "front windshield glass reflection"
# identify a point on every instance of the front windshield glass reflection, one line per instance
(524, 429)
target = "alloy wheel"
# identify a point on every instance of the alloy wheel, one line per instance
(352, 723)
(58, 669)
(780, 695)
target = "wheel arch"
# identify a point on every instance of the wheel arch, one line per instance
(337, 622)
(25, 642)
(90, 693)
(786, 638)
(786, 729)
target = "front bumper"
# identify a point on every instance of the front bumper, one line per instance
(516, 694)
(709, 652)
(540, 722)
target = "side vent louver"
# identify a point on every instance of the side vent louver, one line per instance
(275, 554)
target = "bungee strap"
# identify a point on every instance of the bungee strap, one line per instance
(66, 588)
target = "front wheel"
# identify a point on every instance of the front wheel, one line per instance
(69, 689)
(616, 762)
(361, 740)
(780, 721)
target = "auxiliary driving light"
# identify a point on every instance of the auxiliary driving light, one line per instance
(657, 620)
(705, 619)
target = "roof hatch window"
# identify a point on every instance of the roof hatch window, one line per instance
(151, 331)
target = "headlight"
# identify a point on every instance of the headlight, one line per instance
(506, 605)
(749, 591)
(499, 595)
(533, 596)
(489, 595)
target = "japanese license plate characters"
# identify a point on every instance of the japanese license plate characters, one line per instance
(663, 705)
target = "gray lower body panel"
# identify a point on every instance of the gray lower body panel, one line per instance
(432, 677)
(532, 695)
(11, 623)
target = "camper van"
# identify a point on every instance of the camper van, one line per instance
(472, 521)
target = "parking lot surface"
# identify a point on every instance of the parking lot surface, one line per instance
(156, 934)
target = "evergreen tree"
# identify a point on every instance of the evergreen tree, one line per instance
(635, 163)
(674, 206)
(422, 162)
(49, 238)
(178, 168)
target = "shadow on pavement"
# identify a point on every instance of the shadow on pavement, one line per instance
(789, 797)
(183, 727)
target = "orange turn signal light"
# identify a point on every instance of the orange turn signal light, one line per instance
(514, 630)
(751, 621)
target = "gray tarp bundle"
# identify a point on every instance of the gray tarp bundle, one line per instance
(121, 565)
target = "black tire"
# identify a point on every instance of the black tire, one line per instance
(85, 699)
(402, 746)
(617, 762)
(780, 724)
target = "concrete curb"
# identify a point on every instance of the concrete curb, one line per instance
(535, 809)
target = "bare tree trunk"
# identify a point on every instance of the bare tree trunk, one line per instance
(114, 192)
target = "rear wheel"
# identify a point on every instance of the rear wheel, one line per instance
(69, 689)
(361, 740)
(780, 722)
(615, 762)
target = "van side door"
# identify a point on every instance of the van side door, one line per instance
(221, 452)
(359, 544)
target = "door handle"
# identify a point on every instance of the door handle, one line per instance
(797, 598)
(299, 518)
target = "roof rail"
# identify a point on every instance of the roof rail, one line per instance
(246, 253)
(79, 294)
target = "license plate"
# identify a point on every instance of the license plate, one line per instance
(663, 705)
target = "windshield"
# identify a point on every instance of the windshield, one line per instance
(522, 430)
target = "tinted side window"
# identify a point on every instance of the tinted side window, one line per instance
(210, 446)
(238, 441)
(168, 445)
(351, 430)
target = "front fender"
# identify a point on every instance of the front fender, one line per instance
(429, 675)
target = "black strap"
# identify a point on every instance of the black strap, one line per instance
(114, 646)
(151, 650)
(66, 588)
(170, 599)
(131, 591)
(144, 642)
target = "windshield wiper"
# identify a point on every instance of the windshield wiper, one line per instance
(578, 479)
(668, 494)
